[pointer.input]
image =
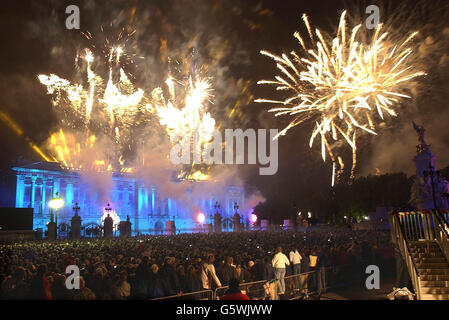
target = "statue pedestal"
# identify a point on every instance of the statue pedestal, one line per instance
(108, 227)
(429, 188)
(51, 226)
(236, 221)
(76, 227)
(170, 228)
(423, 160)
(217, 223)
(125, 229)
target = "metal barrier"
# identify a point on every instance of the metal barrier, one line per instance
(442, 233)
(296, 286)
(417, 224)
(400, 236)
(254, 290)
(304, 284)
(445, 214)
(198, 295)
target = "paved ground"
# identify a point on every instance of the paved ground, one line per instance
(361, 292)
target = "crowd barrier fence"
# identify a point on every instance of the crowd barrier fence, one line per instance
(311, 283)
(198, 295)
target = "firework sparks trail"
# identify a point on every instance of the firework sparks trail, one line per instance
(344, 85)
(112, 109)
(186, 116)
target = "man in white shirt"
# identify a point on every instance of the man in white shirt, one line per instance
(208, 274)
(295, 259)
(279, 262)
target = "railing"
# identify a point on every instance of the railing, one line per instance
(305, 284)
(445, 214)
(442, 232)
(417, 225)
(296, 287)
(401, 235)
(254, 290)
(198, 295)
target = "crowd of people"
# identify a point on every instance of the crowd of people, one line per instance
(147, 267)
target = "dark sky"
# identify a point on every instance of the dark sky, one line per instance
(34, 40)
(32, 32)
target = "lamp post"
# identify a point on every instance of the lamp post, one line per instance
(236, 218)
(201, 218)
(56, 203)
(216, 206)
(217, 218)
(76, 208)
(76, 223)
(108, 209)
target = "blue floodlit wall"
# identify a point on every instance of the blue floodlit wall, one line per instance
(148, 211)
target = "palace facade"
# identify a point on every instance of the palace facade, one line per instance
(148, 211)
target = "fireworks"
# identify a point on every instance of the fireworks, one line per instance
(189, 120)
(90, 109)
(344, 85)
(93, 111)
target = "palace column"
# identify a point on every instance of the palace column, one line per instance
(153, 200)
(33, 191)
(43, 192)
(20, 189)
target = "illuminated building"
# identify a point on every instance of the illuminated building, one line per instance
(38, 182)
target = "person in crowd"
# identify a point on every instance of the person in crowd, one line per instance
(182, 277)
(313, 263)
(268, 271)
(59, 290)
(142, 279)
(97, 284)
(240, 274)
(208, 276)
(83, 293)
(295, 259)
(156, 286)
(101, 262)
(251, 271)
(193, 279)
(305, 268)
(234, 293)
(280, 262)
(40, 285)
(123, 286)
(15, 287)
(228, 271)
(170, 277)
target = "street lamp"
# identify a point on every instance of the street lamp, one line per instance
(56, 203)
(201, 218)
(76, 208)
(253, 220)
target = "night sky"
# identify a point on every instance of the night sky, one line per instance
(34, 40)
